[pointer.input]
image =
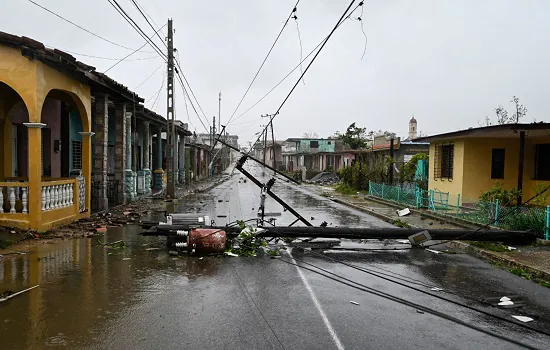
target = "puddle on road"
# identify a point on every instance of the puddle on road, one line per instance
(84, 286)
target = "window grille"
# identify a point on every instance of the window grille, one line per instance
(77, 155)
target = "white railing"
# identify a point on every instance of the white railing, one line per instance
(11, 193)
(57, 194)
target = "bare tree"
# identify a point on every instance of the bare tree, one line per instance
(502, 115)
(521, 110)
(486, 122)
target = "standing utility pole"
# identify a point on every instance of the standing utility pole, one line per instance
(171, 133)
(220, 112)
(273, 147)
(213, 139)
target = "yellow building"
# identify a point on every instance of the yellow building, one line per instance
(46, 124)
(469, 162)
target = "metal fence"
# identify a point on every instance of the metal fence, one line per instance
(494, 214)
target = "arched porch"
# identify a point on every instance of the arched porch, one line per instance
(45, 153)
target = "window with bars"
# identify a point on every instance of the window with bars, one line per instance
(542, 161)
(497, 163)
(443, 161)
(77, 155)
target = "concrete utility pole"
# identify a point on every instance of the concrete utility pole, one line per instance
(273, 146)
(213, 138)
(220, 112)
(171, 133)
(390, 170)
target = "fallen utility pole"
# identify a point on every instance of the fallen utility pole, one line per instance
(267, 190)
(258, 161)
(361, 233)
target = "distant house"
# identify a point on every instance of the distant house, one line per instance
(469, 162)
(314, 154)
(403, 151)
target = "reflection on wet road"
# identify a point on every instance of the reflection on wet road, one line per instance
(91, 297)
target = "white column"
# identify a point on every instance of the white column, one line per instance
(24, 199)
(12, 199)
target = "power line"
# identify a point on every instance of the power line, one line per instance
(133, 52)
(187, 112)
(185, 94)
(404, 278)
(289, 73)
(80, 27)
(310, 63)
(136, 27)
(364, 288)
(264, 61)
(295, 17)
(158, 92)
(143, 14)
(143, 8)
(191, 102)
(360, 19)
(149, 77)
(179, 71)
(99, 57)
(255, 304)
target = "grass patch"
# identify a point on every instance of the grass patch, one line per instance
(5, 243)
(344, 189)
(521, 273)
(492, 246)
(544, 284)
(401, 223)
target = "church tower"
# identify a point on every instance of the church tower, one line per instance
(412, 129)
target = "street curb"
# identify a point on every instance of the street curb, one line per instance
(450, 219)
(386, 218)
(495, 258)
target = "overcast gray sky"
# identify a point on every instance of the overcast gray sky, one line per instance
(448, 62)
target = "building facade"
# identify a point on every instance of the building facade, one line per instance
(74, 141)
(469, 162)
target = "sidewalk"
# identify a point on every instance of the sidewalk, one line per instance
(13, 241)
(530, 262)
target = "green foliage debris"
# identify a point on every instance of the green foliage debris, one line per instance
(345, 189)
(401, 223)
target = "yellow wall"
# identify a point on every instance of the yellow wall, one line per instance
(477, 166)
(33, 81)
(529, 182)
(472, 168)
(453, 186)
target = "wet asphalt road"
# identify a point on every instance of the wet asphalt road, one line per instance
(138, 298)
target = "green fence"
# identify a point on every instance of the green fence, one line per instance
(476, 211)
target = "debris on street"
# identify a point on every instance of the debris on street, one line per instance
(9, 294)
(523, 318)
(403, 212)
(354, 302)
